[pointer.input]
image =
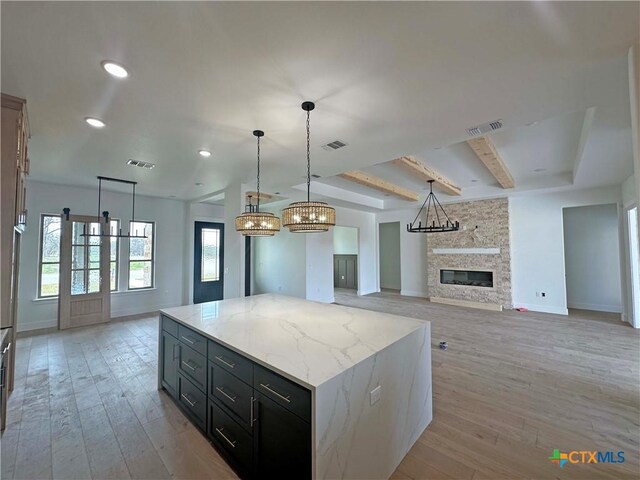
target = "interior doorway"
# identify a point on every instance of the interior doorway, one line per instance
(390, 269)
(592, 258)
(634, 265)
(345, 257)
(208, 262)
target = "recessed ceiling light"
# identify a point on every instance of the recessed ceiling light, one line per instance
(537, 170)
(199, 184)
(115, 69)
(94, 122)
(204, 153)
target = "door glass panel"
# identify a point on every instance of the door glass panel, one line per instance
(77, 257)
(94, 281)
(95, 229)
(49, 279)
(78, 286)
(210, 259)
(94, 256)
(78, 230)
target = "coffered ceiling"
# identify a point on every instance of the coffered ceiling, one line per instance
(389, 79)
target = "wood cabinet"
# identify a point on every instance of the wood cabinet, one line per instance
(258, 420)
(14, 168)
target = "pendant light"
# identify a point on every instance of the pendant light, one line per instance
(434, 227)
(253, 222)
(308, 217)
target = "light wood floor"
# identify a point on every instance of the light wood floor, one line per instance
(511, 388)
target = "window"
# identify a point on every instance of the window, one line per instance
(49, 271)
(141, 255)
(85, 258)
(210, 258)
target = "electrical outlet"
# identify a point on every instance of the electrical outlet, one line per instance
(375, 394)
(537, 293)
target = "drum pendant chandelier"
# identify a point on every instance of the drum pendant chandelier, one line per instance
(308, 217)
(253, 222)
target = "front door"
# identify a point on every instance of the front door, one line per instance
(208, 262)
(84, 291)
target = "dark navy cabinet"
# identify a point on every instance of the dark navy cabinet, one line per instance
(258, 420)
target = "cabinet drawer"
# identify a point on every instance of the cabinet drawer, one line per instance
(192, 339)
(170, 326)
(193, 401)
(234, 394)
(194, 366)
(231, 361)
(228, 435)
(290, 395)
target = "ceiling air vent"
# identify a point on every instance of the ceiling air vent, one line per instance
(315, 175)
(485, 128)
(141, 164)
(335, 145)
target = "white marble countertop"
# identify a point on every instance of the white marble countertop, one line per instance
(305, 341)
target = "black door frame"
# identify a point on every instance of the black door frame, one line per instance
(197, 264)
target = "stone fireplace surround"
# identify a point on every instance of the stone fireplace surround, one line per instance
(481, 244)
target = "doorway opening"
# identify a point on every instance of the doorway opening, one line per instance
(390, 269)
(592, 258)
(208, 262)
(345, 257)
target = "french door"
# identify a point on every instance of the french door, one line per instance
(208, 262)
(84, 291)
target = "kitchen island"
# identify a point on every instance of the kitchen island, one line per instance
(290, 388)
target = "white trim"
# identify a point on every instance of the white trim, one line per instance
(466, 251)
(413, 293)
(37, 325)
(596, 307)
(542, 308)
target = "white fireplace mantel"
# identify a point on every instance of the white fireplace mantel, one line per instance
(467, 251)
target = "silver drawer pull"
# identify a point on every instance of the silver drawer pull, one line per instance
(186, 399)
(230, 365)
(186, 339)
(286, 399)
(221, 390)
(186, 364)
(219, 430)
(6, 349)
(253, 399)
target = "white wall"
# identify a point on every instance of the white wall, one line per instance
(537, 244)
(301, 264)
(279, 263)
(169, 216)
(390, 263)
(234, 198)
(413, 254)
(592, 258)
(345, 241)
(629, 195)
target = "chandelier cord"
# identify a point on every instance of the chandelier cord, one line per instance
(308, 156)
(258, 186)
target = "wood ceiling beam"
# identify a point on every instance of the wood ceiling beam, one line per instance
(381, 185)
(487, 153)
(415, 167)
(264, 197)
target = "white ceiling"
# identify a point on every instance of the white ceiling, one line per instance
(389, 79)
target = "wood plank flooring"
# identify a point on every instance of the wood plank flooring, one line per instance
(514, 386)
(510, 388)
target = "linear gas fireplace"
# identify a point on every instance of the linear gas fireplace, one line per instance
(468, 278)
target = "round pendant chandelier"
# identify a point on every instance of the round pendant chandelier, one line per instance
(253, 222)
(308, 217)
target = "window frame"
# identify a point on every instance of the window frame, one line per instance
(117, 260)
(152, 260)
(41, 253)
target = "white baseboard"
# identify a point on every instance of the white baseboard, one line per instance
(542, 308)
(596, 307)
(38, 325)
(413, 293)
